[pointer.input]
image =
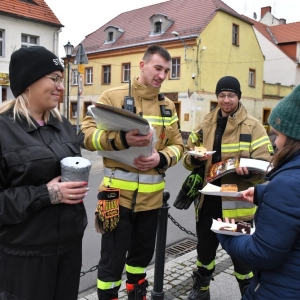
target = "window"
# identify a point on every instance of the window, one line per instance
(74, 110)
(157, 27)
(74, 77)
(28, 1)
(235, 34)
(28, 40)
(172, 96)
(1, 43)
(126, 72)
(4, 94)
(110, 36)
(175, 68)
(86, 104)
(251, 80)
(106, 74)
(89, 76)
(213, 105)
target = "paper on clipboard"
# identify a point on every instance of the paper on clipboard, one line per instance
(127, 156)
(115, 119)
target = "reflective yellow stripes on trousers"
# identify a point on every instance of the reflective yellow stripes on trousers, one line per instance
(103, 285)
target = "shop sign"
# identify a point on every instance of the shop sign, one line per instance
(4, 79)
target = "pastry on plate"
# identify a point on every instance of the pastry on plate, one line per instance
(229, 188)
(200, 150)
(243, 227)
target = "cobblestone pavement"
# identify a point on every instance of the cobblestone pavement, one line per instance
(177, 272)
(178, 280)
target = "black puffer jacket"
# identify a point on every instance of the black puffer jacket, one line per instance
(29, 158)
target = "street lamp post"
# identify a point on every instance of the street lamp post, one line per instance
(185, 45)
(69, 50)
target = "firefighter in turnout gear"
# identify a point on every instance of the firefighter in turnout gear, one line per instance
(132, 240)
(231, 132)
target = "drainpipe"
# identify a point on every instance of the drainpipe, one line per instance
(55, 41)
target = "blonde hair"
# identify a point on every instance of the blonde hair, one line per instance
(20, 108)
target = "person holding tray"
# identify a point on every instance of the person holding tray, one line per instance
(232, 133)
(133, 194)
(273, 250)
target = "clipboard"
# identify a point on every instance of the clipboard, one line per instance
(112, 118)
(115, 119)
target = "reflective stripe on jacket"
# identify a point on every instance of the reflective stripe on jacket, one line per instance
(143, 183)
(258, 147)
(169, 143)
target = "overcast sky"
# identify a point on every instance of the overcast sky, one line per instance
(81, 18)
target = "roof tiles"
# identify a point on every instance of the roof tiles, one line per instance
(286, 33)
(190, 16)
(36, 10)
(279, 34)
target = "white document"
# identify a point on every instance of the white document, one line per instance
(127, 156)
(115, 119)
(254, 164)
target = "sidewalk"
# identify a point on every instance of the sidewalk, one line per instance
(177, 275)
(178, 281)
(94, 158)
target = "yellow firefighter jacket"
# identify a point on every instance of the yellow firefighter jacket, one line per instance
(257, 146)
(140, 190)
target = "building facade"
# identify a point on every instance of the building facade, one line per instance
(206, 39)
(24, 24)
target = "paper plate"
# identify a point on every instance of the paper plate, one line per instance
(216, 225)
(215, 190)
(195, 153)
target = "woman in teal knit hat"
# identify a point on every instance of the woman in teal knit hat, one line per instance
(273, 250)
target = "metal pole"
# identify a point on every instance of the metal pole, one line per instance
(68, 90)
(78, 92)
(161, 237)
(78, 99)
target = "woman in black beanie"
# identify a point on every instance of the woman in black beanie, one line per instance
(42, 220)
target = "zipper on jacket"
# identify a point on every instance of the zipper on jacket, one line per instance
(257, 287)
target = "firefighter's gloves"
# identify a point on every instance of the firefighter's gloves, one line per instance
(190, 189)
(107, 212)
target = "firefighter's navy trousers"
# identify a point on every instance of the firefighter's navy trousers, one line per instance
(207, 240)
(132, 243)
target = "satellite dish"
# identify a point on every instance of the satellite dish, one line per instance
(254, 16)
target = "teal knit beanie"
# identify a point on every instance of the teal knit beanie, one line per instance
(285, 117)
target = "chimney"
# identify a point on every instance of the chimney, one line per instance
(282, 21)
(264, 10)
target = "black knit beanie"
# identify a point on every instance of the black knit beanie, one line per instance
(27, 65)
(230, 84)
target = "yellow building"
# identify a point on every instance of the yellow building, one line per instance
(206, 39)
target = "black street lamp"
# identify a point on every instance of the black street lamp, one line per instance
(69, 50)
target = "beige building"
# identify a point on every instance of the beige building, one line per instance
(206, 39)
(24, 24)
